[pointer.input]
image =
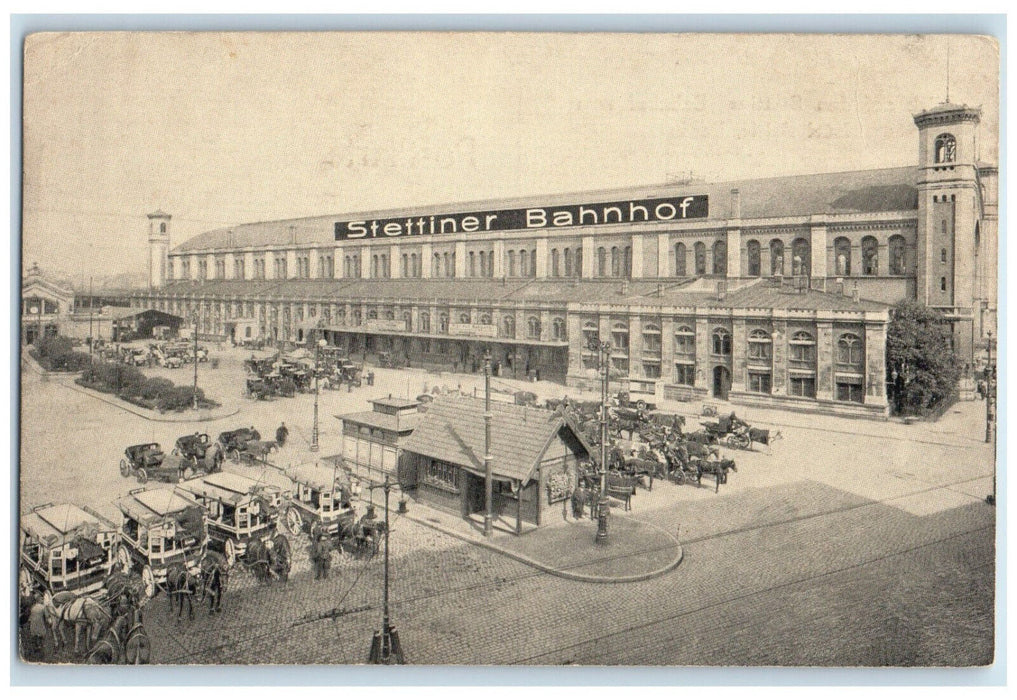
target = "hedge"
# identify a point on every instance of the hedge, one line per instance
(131, 385)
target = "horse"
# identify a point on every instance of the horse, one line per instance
(181, 586)
(269, 558)
(80, 612)
(110, 649)
(719, 470)
(214, 577)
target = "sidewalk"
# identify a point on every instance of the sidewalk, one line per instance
(634, 550)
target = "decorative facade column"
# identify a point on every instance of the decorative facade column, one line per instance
(637, 256)
(703, 368)
(764, 258)
(734, 251)
(779, 351)
(574, 327)
(635, 345)
(460, 259)
(541, 269)
(425, 260)
(875, 359)
(739, 354)
(824, 360)
(664, 255)
(667, 348)
(589, 257)
(395, 262)
(366, 267)
(817, 245)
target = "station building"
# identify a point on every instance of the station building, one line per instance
(771, 291)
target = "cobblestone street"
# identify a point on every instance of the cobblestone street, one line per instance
(848, 543)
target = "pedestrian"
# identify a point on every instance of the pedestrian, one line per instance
(321, 557)
(37, 628)
(281, 433)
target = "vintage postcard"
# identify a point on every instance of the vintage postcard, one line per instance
(509, 349)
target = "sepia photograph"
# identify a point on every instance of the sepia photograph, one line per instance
(508, 349)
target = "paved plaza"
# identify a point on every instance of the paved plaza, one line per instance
(849, 542)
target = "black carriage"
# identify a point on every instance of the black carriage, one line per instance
(625, 400)
(200, 449)
(738, 434)
(236, 439)
(148, 461)
(253, 452)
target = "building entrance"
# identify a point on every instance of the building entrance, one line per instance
(474, 500)
(721, 382)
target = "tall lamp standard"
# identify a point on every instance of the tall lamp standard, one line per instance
(195, 358)
(317, 359)
(385, 646)
(990, 412)
(602, 508)
(488, 475)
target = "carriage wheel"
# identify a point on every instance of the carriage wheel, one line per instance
(294, 521)
(679, 476)
(739, 442)
(641, 405)
(103, 653)
(138, 648)
(235, 456)
(125, 468)
(142, 476)
(25, 583)
(148, 581)
(230, 551)
(124, 559)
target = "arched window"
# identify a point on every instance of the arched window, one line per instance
(776, 257)
(449, 264)
(374, 266)
(483, 263)
(615, 262)
(898, 261)
(485, 319)
(443, 322)
(870, 256)
(372, 314)
(800, 259)
(554, 262)
(404, 266)
(803, 348)
(389, 315)
(627, 262)
(533, 263)
(472, 264)
(752, 253)
(760, 346)
(436, 265)
(558, 328)
(651, 338)
(568, 262)
(509, 326)
(407, 321)
(842, 256)
(679, 259)
(946, 148)
(578, 270)
(685, 342)
(464, 317)
(700, 251)
(533, 328)
(162, 227)
(720, 258)
(620, 337)
(425, 322)
(850, 351)
(601, 262)
(524, 261)
(721, 341)
(512, 263)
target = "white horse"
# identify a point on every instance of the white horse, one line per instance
(83, 613)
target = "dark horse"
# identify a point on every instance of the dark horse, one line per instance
(181, 586)
(269, 558)
(213, 580)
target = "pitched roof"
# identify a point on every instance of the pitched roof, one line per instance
(385, 421)
(452, 430)
(885, 189)
(760, 295)
(58, 521)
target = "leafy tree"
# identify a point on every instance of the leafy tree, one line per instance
(920, 362)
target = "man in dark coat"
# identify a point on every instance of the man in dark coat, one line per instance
(281, 433)
(321, 556)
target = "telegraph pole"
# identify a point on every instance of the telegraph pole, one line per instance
(385, 646)
(317, 358)
(488, 475)
(602, 507)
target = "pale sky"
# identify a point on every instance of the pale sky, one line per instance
(220, 129)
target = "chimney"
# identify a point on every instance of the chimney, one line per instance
(736, 204)
(854, 292)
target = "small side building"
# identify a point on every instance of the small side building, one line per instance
(372, 440)
(535, 458)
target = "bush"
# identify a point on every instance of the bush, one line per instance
(53, 346)
(71, 361)
(130, 384)
(154, 386)
(178, 398)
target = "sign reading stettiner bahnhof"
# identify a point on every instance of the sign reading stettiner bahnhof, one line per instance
(626, 212)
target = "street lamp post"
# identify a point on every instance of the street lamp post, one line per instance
(602, 507)
(385, 646)
(195, 358)
(488, 475)
(317, 358)
(990, 413)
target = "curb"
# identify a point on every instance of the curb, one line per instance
(587, 578)
(147, 415)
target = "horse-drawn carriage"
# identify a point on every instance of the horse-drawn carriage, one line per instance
(240, 511)
(162, 529)
(199, 448)
(231, 442)
(148, 461)
(320, 503)
(65, 547)
(738, 434)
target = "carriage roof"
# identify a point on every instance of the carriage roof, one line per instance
(154, 505)
(61, 521)
(318, 476)
(224, 486)
(144, 446)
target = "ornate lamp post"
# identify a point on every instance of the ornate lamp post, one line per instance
(317, 358)
(604, 350)
(488, 474)
(385, 646)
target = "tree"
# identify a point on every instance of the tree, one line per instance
(920, 362)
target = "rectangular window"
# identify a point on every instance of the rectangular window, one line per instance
(759, 382)
(849, 391)
(651, 370)
(759, 351)
(441, 474)
(803, 386)
(685, 374)
(942, 284)
(802, 353)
